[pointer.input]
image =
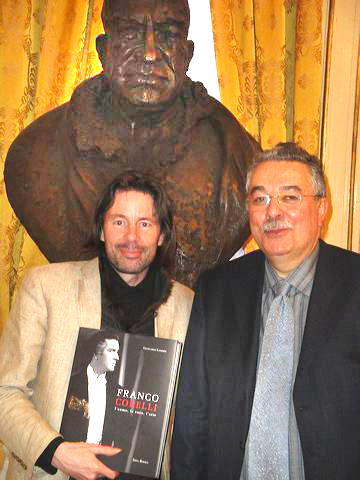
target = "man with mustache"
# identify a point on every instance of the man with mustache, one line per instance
(269, 386)
(127, 287)
(141, 112)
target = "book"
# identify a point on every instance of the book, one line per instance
(120, 393)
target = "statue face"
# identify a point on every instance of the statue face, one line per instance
(147, 52)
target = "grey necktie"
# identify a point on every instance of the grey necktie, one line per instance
(268, 438)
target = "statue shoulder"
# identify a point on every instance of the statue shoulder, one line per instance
(33, 163)
(38, 135)
(41, 134)
(229, 124)
(216, 119)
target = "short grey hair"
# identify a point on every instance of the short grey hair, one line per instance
(291, 152)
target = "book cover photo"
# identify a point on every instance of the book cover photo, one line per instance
(120, 393)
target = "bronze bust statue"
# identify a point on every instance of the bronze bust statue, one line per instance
(142, 112)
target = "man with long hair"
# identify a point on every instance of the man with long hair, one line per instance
(128, 287)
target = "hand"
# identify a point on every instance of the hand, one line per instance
(78, 459)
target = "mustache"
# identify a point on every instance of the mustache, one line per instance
(130, 246)
(276, 224)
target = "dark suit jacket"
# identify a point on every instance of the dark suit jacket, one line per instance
(218, 373)
(75, 423)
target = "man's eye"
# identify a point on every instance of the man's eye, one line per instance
(290, 198)
(119, 222)
(260, 200)
(145, 224)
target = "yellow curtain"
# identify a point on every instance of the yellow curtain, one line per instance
(47, 47)
(269, 62)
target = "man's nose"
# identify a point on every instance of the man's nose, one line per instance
(150, 43)
(274, 207)
(132, 232)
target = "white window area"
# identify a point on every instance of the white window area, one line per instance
(203, 67)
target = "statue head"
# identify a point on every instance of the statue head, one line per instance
(145, 52)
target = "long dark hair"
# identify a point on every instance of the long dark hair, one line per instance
(135, 181)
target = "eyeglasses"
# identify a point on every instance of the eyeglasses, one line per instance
(286, 200)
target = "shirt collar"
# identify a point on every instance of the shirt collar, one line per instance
(93, 378)
(300, 279)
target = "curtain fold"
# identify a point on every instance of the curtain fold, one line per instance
(308, 85)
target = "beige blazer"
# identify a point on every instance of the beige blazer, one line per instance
(37, 348)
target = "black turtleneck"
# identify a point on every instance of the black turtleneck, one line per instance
(127, 308)
(130, 309)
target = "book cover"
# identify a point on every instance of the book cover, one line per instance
(120, 393)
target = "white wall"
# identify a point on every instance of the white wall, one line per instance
(203, 67)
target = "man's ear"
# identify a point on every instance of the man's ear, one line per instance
(323, 210)
(190, 52)
(161, 240)
(101, 42)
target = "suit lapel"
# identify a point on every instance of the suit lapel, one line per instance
(90, 295)
(164, 319)
(322, 314)
(247, 297)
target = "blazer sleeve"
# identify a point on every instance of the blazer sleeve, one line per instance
(22, 428)
(189, 450)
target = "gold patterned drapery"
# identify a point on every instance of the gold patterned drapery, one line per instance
(269, 61)
(47, 47)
